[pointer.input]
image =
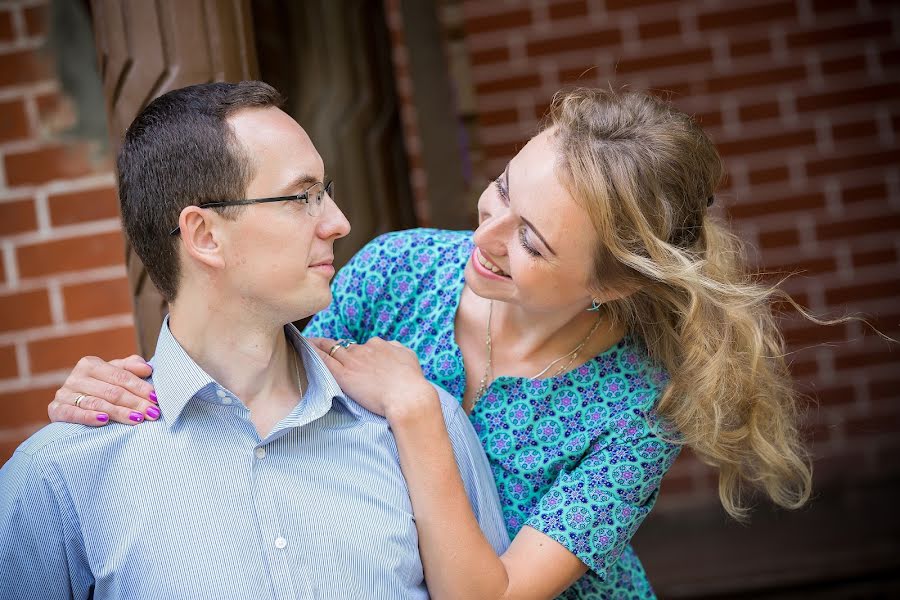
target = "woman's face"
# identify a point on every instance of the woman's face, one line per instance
(534, 243)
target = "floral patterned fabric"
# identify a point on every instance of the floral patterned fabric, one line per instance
(578, 457)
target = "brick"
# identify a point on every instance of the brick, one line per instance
(568, 10)
(13, 121)
(499, 22)
(581, 74)
(17, 216)
(803, 368)
(48, 164)
(887, 324)
(7, 33)
(888, 389)
(504, 150)
(844, 64)
(56, 113)
(779, 238)
(26, 407)
(863, 193)
(747, 145)
(489, 56)
(750, 48)
(860, 292)
(890, 58)
(756, 112)
(659, 29)
(24, 310)
(709, 119)
(801, 267)
(2, 272)
(884, 256)
(666, 90)
(63, 352)
(9, 365)
(506, 84)
(78, 207)
(824, 37)
(71, 254)
(632, 4)
(600, 38)
(683, 58)
(835, 396)
(830, 166)
(820, 7)
(97, 299)
(871, 426)
(36, 19)
(848, 97)
(804, 202)
(813, 334)
(852, 131)
(742, 17)
(24, 66)
(768, 175)
(498, 117)
(767, 77)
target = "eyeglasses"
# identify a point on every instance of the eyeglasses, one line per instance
(313, 197)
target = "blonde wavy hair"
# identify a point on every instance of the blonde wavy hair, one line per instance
(645, 172)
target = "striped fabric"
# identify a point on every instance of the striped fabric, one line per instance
(195, 505)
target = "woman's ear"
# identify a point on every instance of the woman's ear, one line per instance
(201, 235)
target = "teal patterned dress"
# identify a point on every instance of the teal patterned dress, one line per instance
(578, 457)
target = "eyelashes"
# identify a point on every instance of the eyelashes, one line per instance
(523, 239)
(500, 190)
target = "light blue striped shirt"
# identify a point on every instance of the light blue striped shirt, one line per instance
(196, 505)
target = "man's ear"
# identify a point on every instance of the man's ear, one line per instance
(201, 235)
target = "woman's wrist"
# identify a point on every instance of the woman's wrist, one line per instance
(412, 406)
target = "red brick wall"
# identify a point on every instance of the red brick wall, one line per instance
(802, 100)
(63, 289)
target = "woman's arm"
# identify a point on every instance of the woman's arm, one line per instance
(459, 561)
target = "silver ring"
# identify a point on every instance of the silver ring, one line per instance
(79, 399)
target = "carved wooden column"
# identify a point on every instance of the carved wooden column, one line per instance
(148, 48)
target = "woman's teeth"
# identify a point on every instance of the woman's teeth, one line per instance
(489, 265)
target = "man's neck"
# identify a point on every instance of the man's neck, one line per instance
(251, 359)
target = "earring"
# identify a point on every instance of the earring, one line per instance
(595, 305)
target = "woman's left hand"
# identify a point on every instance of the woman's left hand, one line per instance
(383, 377)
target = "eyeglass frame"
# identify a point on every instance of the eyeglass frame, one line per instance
(327, 188)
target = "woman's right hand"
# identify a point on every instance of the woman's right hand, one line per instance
(113, 391)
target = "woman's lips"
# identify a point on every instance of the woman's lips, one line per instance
(485, 267)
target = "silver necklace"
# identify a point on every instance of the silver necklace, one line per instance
(572, 355)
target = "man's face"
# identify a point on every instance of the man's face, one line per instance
(278, 257)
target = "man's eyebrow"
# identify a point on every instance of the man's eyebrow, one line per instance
(298, 184)
(529, 223)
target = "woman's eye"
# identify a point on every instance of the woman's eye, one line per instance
(501, 190)
(526, 245)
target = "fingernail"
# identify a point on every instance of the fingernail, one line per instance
(136, 417)
(153, 412)
(103, 417)
(153, 398)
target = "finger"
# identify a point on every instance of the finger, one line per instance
(322, 343)
(117, 377)
(119, 414)
(135, 364)
(333, 364)
(60, 411)
(113, 396)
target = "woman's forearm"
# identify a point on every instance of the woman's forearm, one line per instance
(458, 560)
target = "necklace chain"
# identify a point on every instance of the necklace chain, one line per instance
(297, 370)
(487, 377)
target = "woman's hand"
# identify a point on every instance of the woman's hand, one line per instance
(383, 377)
(112, 390)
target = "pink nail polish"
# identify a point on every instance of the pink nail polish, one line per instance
(153, 412)
(136, 417)
(153, 398)
(103, 417)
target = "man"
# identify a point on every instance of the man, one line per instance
(260, 478)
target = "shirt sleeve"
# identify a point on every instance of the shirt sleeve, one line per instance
(595, 508)
(42, 554)
(476, 472)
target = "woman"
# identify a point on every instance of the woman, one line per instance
(596, 321)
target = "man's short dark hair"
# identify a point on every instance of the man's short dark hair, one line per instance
(180, 151)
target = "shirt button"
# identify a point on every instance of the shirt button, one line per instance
(261, 454)
(280, 543)
(220, 393)
(226, 400)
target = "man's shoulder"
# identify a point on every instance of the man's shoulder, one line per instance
(64, 444)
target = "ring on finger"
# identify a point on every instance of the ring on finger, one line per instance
(341, 343)
(78, 400)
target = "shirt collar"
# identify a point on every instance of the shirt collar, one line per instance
(177, 379)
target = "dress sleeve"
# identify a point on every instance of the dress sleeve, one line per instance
(46, 558)
(594, 508)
